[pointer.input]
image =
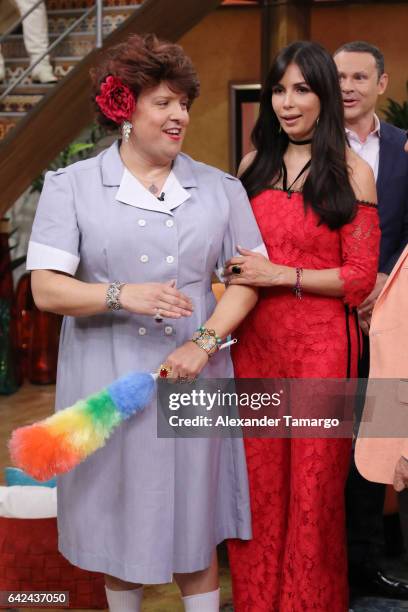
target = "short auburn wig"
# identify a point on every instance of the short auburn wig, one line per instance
(143, 62)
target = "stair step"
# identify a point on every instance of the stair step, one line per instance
(80, 43)
(15, 67)
(58, 23)
(77, 43)
(28, 89)
(109, 10)
(60, 20)
(19, 103)
(7, 123)
(53, 5)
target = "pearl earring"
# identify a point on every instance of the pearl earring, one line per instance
(126, 130)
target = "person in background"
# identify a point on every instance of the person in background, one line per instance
(362, 80)
(35, 30)
(315, 203)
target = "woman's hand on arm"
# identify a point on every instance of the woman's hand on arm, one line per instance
(60, 293)
(258, 271)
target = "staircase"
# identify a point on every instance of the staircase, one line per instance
(61, 14)
(38, 121)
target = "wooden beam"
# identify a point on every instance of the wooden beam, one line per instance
(283, 22)
(66, 110)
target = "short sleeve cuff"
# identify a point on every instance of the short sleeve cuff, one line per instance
(261, 248)
(44, 257)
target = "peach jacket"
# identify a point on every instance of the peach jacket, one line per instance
(386, 406)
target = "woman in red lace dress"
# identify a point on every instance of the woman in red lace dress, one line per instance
(314, 200)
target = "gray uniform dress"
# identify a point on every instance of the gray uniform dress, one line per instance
(143, 508)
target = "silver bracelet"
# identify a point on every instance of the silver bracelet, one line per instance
(113, 294)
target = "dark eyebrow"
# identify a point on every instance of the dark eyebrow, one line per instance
(294, 85)
(169, 97)
(361, 73)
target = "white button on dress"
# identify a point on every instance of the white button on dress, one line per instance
(168, 330)
(142, 331)
(169, 222)
(142, 222)
(144, 258)
(169, 259)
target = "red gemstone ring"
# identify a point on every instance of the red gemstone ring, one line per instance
(164, 371)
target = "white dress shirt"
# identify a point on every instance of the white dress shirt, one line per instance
(369, 150)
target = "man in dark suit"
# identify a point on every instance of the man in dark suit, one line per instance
(363, 80)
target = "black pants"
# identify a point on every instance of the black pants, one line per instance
(364, 505)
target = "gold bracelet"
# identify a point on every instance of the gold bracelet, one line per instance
(207, 339)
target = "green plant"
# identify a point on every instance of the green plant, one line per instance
(397, 113)
(77, 150)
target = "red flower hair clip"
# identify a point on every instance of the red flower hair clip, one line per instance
(116, 101)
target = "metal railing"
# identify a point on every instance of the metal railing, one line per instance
(97, 8)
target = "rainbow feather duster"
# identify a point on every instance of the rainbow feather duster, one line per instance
(60, 442)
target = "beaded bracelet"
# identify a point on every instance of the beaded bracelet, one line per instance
(207, 339)
(297, 289)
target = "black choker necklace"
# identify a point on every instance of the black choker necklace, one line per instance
(299, 142)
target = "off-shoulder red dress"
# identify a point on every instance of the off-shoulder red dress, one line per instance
(296, 561)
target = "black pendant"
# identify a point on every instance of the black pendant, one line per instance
(289, 194)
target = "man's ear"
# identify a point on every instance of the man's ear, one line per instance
(382, 83)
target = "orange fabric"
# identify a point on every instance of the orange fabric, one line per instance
(218, 290)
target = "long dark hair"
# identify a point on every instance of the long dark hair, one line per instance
(327, 189)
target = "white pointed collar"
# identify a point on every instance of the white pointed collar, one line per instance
(376, 131)
(132, 192)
